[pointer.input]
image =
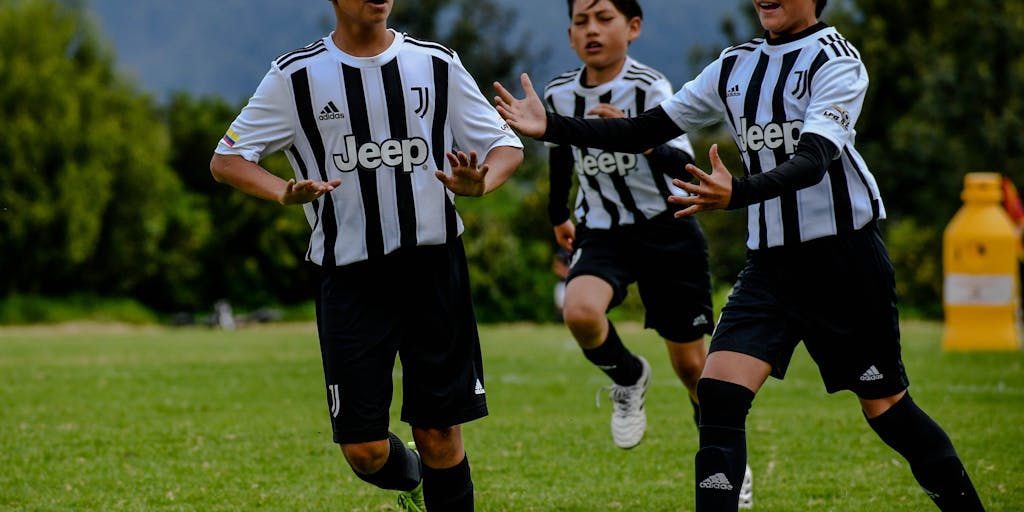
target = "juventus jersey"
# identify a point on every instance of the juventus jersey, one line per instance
(770, 93)
(382, 124)
(616, 188)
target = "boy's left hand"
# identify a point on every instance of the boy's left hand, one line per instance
(711, 192)
(607, 111)
(466, 178)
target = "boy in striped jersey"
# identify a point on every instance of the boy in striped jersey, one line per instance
(368, 118)
(625, 230)
(817, 268)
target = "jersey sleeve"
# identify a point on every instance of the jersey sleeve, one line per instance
(697, 104)
(266, 124)
(476, 125)
(837, 96)
(661, 91)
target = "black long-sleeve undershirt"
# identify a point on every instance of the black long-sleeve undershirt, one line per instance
(808, 165)
(560, 181)
(624, 134)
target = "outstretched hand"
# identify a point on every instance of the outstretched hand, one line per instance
(466, 178)
(526, 116)
(306, 190)
(711, 192)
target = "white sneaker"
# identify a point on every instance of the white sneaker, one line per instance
(629, 419)
(747, 489)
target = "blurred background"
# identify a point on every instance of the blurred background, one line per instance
(110, 110)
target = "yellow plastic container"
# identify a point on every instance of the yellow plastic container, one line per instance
(980, 261)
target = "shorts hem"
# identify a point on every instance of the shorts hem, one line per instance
(464, 416)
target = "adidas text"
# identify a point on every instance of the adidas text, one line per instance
(716, 481)
(871, 375)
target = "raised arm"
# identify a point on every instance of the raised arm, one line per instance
(628, 135)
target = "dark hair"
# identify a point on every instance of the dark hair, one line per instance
(820, 7)
(630, 8)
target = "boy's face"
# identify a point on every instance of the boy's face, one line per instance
(600, 33)
(364, 12)
(784, 17)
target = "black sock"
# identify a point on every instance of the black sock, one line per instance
(933, 459)
(722, 458)
(614, 359)
(448, 490)
(401, 472)
(696, 410)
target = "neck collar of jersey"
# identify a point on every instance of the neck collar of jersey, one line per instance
(778, 41)
(597, 90)
(366, 62)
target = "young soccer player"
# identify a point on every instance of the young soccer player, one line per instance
(626, 230)
(817, 268)
(368, 118)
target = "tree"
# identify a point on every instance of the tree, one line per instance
(87, 201)
(469, 28)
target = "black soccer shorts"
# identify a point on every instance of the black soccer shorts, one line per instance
(667, 258)
(413, 303)
(838, 295)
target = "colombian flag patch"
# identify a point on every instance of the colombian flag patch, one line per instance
(230, 138)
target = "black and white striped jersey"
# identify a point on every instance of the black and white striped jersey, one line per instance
(383, 125)
(770, 93)
(616, 188)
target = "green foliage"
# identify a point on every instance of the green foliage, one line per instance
(468, 27)
(509, 247)
(24, 310)
(196, 419)
(257, 257)
(86, 190)
(912, 248)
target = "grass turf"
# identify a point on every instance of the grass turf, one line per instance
(100, 418)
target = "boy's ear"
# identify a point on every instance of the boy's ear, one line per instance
(635, 25)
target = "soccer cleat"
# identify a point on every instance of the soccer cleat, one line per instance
(747, 489)
(629, 418)
(412, 501)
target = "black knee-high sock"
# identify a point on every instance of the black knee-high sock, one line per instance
(722, 457)
(401, 472)
(614, 359)
(448, 490)
(696, 410)
(933, 459)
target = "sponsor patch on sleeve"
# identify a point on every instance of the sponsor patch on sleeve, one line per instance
(839, 115)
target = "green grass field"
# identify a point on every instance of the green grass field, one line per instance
(102, 418)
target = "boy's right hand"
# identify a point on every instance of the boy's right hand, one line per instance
(306, 190)
(565, 235)
(527, 116)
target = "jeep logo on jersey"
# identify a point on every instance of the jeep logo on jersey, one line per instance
(607, 163)
(404, 153)
(770, 136)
